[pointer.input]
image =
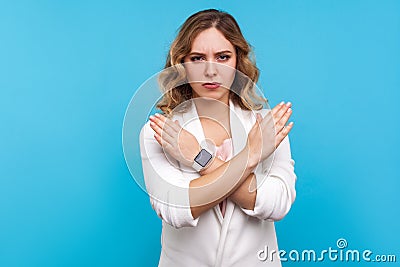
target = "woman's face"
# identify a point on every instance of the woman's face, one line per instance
(211, 65)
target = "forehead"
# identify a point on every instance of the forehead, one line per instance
(211, 40)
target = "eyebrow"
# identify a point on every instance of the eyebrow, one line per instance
(217, 53)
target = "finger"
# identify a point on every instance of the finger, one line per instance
(162, 141)
(277, 107)
(259, 118)
(178, 128)
(175, 125)
(285, 131)
(268, 122)
(156, 128)
(157, 120)
(283, 120)
(163, 134)
(165, 120)
(163, 126)
(158, 138)
(172, 128)
(258, 121)
(278, 115)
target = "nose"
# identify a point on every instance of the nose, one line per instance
(210, 69)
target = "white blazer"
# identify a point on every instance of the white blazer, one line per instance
(238, 238)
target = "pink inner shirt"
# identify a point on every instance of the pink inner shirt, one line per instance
(224, 152)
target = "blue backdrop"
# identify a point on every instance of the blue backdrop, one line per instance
(68, 70)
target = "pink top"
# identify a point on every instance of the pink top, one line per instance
(224, 152)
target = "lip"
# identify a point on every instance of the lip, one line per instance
(212, 85)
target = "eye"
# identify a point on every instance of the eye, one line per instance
(224, 57)
(196, 58)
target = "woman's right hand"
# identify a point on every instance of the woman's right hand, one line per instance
(178, 142)
(268, 132)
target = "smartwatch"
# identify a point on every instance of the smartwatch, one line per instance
(202, 159)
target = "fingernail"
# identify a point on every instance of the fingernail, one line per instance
(157, 115)
(280, 104)
(288, 104)
(291, 123)
(289, 110)
(151, 117)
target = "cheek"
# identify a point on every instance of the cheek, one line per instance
(228, 79)
(233, 62)
(194, 72)
(196, 86)
(228, 74)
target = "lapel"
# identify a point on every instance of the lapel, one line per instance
(239, 129)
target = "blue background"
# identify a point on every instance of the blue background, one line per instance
(68, 70)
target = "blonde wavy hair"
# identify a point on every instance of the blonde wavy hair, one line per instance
(172, 80)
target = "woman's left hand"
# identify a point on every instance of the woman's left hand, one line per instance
(178, 142)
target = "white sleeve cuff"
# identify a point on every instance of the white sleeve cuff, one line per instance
(166, 184)
(275, 185)
(273, 201)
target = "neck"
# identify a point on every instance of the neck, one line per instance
(211, 108)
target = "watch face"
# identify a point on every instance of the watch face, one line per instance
(203, 157)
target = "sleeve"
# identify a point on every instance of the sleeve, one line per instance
(166, 185)
(275, 185)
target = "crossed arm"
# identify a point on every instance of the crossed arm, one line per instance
(215, 183)
(245, 194)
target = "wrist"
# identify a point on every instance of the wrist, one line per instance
(193, 153)
(208, 167)
(203, 159)
(251, 159)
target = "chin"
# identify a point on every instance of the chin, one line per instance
(214, 95)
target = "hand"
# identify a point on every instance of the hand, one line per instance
(178, 142)
(268, 132)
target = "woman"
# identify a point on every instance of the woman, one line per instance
(217, 166)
